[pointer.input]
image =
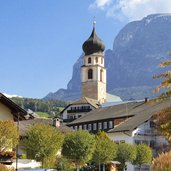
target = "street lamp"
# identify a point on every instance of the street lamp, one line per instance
(18, 117)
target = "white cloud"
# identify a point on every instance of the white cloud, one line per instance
(102, 4)
(132, 9)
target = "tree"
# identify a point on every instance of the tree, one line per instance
(125, 153)
(163, 120)
(144, 155)
(42, 142)
(105, 149)
(166, 80)
(79, 147)
(162, 162)
(8, 135)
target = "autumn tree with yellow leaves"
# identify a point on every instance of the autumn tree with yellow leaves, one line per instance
(166, 80)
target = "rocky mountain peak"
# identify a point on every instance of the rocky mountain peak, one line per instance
(137, 50)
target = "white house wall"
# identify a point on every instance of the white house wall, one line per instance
(65, 113)
(5, 113)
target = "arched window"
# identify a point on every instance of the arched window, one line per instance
(89, 60)
(101, 60)
(90, 74)
(96, 60)
(101, 75)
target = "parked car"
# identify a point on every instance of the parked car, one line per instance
(37, 170)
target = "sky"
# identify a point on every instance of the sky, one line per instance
(40, 40)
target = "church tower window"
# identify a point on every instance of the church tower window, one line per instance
(90, 74)
(96, 60)
(101, 75)
(89, 60)
(101, 60)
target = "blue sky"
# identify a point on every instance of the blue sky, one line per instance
(40, 40)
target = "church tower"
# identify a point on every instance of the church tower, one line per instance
(93, 70)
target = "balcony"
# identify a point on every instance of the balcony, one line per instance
(78, 110)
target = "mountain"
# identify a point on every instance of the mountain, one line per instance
(137, 51)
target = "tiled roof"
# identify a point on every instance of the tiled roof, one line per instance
(25, 125)
(84, 100)
(13, 107)
(139, 112)
(142, 116)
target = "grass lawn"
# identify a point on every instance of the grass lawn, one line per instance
(43, 114)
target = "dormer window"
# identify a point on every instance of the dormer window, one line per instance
(89, 60)
(90, 74)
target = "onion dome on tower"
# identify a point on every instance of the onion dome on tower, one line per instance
(93, 44)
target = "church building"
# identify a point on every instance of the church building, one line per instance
(93, 70)
(93, 76)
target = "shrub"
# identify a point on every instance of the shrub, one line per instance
(3, 168)
(23, 156)
(162, 162)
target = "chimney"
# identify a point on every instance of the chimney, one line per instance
(56, 122)
(146, 99)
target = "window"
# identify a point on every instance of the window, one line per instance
(100, 125)
(94, 126)
(89, 60)
(89, 127)
(110, 124)
(101, 60)
(122, 141)
(85, 127)
(90, 74)
(137, 142)
(75, 127)
(104, 125)
(80, 127)
(101, 75)
(96, 60)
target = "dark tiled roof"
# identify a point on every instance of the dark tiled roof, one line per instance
(25, 125)
(117, 111)
(140, 112)
(86, 100)
(142, 116)
(15, 109)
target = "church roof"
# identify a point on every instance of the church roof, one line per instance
(93, 44)
(86, 100)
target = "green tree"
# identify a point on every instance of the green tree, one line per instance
(143, 156)
(8, 135)
(125, 153)
(79, 147)
(105, 149)
(42, 142)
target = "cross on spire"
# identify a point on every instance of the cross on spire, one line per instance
(94, 21)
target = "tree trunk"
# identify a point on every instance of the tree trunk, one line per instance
(78, 166)
(140, 167)
(99, 166)
(103, 167)
(42, 163)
